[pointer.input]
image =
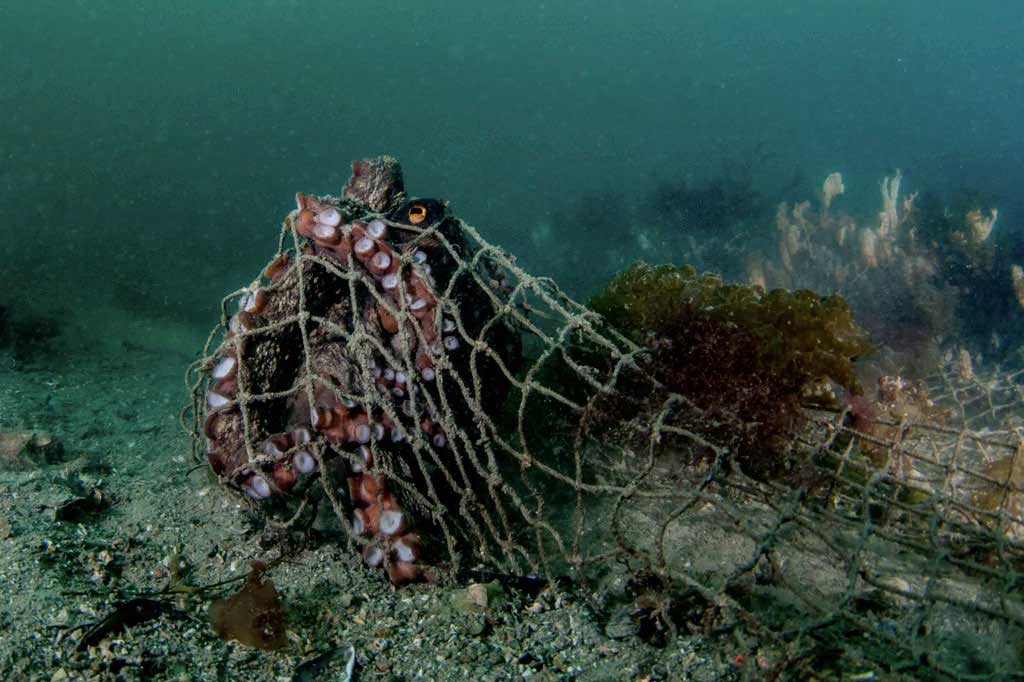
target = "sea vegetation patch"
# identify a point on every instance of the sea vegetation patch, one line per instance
(749, 359)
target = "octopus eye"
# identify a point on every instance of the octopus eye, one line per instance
(417, 214)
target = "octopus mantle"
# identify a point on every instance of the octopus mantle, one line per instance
(355, 359)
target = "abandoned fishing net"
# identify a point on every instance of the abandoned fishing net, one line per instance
(454, 412)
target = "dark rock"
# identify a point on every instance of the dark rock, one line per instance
(22, 450)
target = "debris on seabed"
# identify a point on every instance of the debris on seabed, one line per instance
(254, 615)
(308, 670)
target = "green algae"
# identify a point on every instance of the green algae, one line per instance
(748, 361)
(800, 337)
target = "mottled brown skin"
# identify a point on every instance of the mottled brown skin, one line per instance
(343, 288)
(376, 183)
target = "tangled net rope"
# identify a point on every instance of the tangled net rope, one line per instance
(455, 412)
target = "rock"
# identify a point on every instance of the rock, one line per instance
(376, 182)
(22, 450)
(76, 509)
(621, 625)
(478, 597)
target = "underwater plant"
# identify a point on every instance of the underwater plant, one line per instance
(912, 274)
(748, 359)
(974, 256)
(253, 615)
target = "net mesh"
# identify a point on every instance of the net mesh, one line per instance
(509, 427)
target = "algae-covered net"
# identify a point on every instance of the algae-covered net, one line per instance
(456, 413)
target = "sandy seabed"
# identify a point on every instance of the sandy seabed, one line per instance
(109, 390)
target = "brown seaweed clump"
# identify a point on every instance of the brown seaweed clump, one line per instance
(253, 616)
(999, 499)
(747, 359)
(900, 403)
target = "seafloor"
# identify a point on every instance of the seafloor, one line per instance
(93, 525)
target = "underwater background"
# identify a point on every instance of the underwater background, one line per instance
(150, 150)
(144, 139)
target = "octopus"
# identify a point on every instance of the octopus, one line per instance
(359, 356)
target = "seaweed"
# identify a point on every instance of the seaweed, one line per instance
(974, 254)
(748, 359)
(802, 338)
(254, 615)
